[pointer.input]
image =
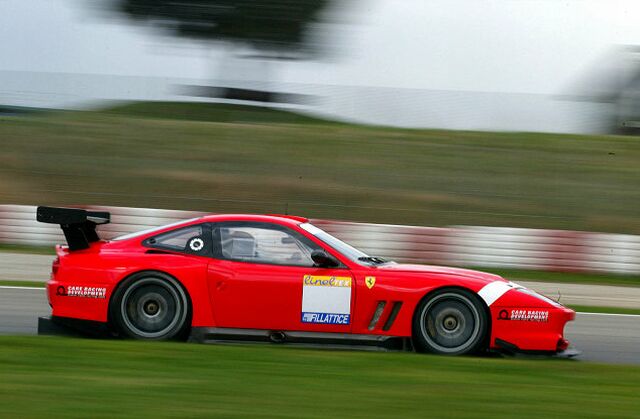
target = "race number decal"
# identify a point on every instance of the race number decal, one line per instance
(196, 244)
(326, 299)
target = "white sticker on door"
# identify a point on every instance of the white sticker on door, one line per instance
(326, 299)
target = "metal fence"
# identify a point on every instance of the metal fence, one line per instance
(496, 247)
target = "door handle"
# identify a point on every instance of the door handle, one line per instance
(221, 285)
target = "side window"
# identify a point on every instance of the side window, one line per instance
(189, 240)
(263, 243)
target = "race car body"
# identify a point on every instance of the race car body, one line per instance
(281, 279)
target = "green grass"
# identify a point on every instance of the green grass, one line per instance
(30, 284)
(79, 378)
(565, 277)
(222, 159)
(234, 114)
(606, 310)
(21, 248)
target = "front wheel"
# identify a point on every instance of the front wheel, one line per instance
(150, 306)
(450, 322)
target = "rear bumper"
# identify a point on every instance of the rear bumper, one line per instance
(88, 300)
(65, 326)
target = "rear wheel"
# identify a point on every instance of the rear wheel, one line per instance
(150, 306)
(450, 322)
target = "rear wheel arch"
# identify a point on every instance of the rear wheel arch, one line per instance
(130, 279)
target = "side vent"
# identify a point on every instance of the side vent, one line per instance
(397, 305)
(377, 314)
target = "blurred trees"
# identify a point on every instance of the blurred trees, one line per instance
(275, 28)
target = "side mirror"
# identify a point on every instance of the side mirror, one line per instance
(323, 259)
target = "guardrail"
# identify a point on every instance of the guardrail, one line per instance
(497, 247)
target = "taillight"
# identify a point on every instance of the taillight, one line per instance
(563, 344)
(55, 265)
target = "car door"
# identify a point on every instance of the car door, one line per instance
(262, 277)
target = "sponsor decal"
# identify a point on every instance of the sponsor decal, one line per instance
(540, 316)
(370, 281)
(325, 318)
(80, 291)
(503, 315)
(196, 244)
(326, 299)
(327, 281)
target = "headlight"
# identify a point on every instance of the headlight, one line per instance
(535, 294)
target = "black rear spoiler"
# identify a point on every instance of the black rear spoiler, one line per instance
(78, 225)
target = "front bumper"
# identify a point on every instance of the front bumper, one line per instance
(538, 330)
(508, 348)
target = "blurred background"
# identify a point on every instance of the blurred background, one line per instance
(492, 134)
(428, 113)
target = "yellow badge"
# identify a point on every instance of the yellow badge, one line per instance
(370, 281)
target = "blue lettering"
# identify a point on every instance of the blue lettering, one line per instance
(325, 318)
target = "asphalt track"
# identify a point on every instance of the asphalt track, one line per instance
(610, 338)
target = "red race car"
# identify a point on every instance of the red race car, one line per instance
(279, 278)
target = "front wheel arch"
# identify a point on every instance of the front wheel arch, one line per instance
(484, 342)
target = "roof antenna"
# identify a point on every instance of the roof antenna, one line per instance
(286, 208)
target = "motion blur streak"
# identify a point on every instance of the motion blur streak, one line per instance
(500, 135)
(491, 247)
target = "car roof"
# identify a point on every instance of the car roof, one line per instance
(269, 218)
(287, 220)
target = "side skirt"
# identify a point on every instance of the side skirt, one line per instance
(63, 326)
(308, 339)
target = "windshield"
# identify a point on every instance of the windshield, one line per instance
(347, 250)
(152, 230)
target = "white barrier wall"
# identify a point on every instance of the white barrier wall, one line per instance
(497, 247)
(18, 223)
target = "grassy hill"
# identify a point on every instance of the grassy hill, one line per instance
(241, 159)
(213, 112)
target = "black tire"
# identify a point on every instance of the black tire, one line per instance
(450, 321)
(150, 306)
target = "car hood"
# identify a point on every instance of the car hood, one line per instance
(526, 298)
(441, 270)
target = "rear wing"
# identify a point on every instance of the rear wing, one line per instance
(78, 225)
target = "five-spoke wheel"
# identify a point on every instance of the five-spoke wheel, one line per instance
(150, 305)
(451, 322)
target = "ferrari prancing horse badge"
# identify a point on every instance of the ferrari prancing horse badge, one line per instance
(370, 281)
